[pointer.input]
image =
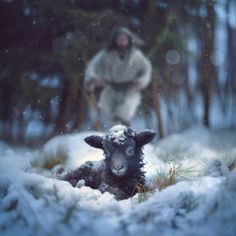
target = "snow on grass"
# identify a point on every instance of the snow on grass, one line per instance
(69, 150)
(200, 200)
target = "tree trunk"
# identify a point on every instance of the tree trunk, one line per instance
(21, 129)
(231, 57)
(156, 107)
(150, 20)
(151, 5)
(64, 101)
(208, 70)
(7, 95)
(79, 107)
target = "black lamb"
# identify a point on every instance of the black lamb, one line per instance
(120, 173)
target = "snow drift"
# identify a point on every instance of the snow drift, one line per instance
(199, 202)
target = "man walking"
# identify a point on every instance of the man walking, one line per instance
(123, 71)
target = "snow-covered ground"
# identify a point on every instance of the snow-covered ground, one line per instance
(202, 202)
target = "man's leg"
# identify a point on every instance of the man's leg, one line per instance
(125, 111)
(118, 120)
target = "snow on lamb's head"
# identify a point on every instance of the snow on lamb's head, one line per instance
(119, 133)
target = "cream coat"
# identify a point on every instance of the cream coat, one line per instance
(108, 66)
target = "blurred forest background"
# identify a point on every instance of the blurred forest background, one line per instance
(45, 45)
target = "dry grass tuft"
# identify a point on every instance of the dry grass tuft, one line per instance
(173, 175)
(230, 162)
(47, 160)
(163, 180)
(142, 193)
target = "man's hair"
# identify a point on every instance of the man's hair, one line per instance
(133, 40)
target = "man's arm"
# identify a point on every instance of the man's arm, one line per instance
(145, 71)
(93, 72)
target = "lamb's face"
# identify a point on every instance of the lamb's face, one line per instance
(121, 159)
(122, 149)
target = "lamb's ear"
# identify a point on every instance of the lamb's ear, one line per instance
(94, 141)
(144, 137)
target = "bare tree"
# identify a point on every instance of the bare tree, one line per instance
(207, 68)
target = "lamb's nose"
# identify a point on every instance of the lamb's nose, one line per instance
(118, 167)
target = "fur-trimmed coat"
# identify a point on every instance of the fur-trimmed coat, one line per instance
(134, 69)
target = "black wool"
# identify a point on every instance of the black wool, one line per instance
(120, 172)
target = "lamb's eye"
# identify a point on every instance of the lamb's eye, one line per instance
(129, 151)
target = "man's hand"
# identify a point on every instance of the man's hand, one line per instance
(92, 83)
(138, 85)
(98, 82)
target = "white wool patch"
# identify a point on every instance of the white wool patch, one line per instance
(118, 134)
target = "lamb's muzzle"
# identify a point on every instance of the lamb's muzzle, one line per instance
(119, 165)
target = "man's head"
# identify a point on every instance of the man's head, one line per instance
(120, 39)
